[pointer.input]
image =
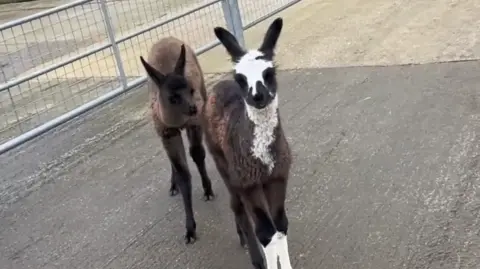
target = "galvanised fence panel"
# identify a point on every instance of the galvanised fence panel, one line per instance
(61, 62)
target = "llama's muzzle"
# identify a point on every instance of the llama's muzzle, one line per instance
(192, 110)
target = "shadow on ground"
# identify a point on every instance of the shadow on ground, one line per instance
(386, 175)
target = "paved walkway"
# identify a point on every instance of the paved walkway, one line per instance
(386, 171)
(386, 175)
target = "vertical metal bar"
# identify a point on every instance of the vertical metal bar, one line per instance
(227, 14)
(231, 12)
(11, 97)
(14, 107)
(113, 42)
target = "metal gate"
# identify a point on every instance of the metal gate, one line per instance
(62, 62)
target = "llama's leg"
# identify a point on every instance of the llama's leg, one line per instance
(237, 209)
(221, 166)
(197, 152)
(173, 185)
(172, 141)
(242, 223)
(276, 191)
(256, 203)
(241, 234)
(245, 229)
(165, 133)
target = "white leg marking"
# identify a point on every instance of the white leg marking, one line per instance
(271, 253)
(277, 248)
(282, 247)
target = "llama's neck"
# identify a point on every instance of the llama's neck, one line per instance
(264, 120)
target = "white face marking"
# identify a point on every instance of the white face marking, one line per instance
(265, 121)
(252, 69)
(277, 248)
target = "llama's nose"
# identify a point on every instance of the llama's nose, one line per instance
(258, 98)
(192, 110)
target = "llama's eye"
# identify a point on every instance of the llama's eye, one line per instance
(192, 91)
(269, 75)
(241, 80)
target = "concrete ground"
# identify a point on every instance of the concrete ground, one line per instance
(386, 168)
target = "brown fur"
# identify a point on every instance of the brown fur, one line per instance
(257, 194)
(163, 56)
(179, 77)
(229, 133)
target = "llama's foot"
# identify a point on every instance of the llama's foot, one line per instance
(191, 235)
(243, 243)
(257, 259)
(173, 189)
(241, 235)
(259, 264)
(208, 194)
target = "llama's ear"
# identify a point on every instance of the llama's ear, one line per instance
(153, 73)
(230, 43)
(180, 66)
(271, 37)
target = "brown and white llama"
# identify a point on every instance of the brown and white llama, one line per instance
(177, 93)
(245, 138)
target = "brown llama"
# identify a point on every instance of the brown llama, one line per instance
(177, 93)
(245, 138)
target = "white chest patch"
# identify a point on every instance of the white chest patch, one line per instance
(265, 121)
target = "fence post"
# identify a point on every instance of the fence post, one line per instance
(14, 107)
(113, 42)
(231, 12)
